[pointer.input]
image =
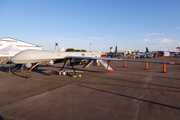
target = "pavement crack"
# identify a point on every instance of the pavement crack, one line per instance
(10, 117)
(138, 107)
(17, 101)
(70, 83)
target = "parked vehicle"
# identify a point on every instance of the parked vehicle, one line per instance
(177, 55)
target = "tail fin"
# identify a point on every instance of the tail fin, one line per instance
(147, 50)
(107, 67)
(116, 50)
(63, 48)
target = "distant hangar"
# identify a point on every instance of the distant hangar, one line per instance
(4, 42)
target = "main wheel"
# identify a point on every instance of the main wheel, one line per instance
(60, 73)
(28, 76)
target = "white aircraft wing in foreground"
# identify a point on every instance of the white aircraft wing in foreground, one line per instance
(36, 56)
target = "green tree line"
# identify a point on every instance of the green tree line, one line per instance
(73, 50)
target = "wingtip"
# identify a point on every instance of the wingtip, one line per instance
(110, 70)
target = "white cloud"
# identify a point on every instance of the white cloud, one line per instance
(166, 41)
(68, 39)
(146, 40)
(71, 40)
(93, 38)
(48, 44)
(154, 34)
(148, 34)
(109, 36)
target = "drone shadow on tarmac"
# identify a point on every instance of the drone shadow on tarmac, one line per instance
(1, 118)
(51, 72)
(144, 83)
(160, 104)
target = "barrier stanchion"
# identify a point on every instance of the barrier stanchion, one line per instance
(99, 63)
(164, 67)
(146, 67)
(131, 57)
(125, 63)
(47, 63)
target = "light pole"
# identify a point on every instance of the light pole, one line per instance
(56, 45)
(89, 46)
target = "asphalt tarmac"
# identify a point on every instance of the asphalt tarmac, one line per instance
(130, 93)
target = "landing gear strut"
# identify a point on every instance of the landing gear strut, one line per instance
(75, 73)
(29, 71)
(63, 72)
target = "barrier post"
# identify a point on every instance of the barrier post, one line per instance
(164, 67)
(131, 57)
(146, 67)
(99, 63)
(125, 63)
(47, 63)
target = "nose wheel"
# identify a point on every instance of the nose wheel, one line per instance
(74, 76)
(63, 72)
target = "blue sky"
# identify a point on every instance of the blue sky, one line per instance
(129, 24)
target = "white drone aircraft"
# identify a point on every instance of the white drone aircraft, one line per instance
(37, 56)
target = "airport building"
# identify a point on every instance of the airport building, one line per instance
(4, 42)
(171, 52)
(111, 49)
(125, 51)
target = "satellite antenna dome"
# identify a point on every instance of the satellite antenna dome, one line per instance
(28, 65)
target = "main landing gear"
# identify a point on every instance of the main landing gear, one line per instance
(63, 72)
(60, 72)
(29, 71)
